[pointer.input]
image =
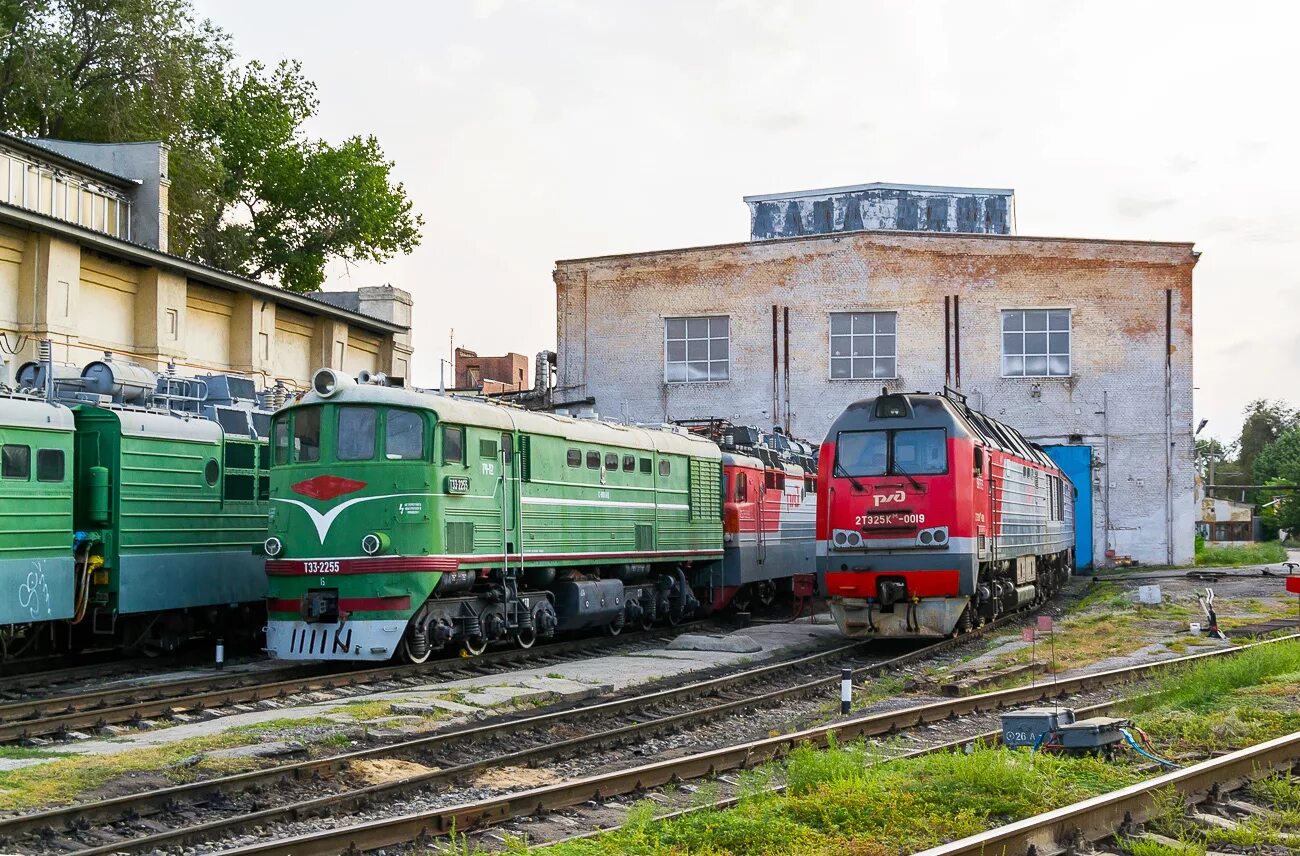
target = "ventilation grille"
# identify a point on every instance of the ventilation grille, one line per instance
(460, 537)
(645, 536)
(525, 457)
(706, 490)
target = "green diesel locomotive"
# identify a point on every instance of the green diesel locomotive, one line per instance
(133, 504)
(402, 522)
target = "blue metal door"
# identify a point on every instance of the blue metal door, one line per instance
(1076, 461)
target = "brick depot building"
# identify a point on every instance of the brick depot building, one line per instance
(1083, 345)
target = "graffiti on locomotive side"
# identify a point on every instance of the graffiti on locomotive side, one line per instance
(34, 592)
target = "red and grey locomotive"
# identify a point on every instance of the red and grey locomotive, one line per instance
(934, 518)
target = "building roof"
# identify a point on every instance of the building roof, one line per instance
(143, 255)
(34, 148)
(881, 185)
(758, 245)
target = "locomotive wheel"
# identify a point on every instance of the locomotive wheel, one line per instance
(473, 646)
(766, 593)
(410, 657)
(741, 600)
(647, 620)
(615, 627)
(525, 638)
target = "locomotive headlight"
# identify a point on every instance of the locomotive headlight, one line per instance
(272, 546)
(374, 543)
(845, 538)
(926, 536)
(941, 535)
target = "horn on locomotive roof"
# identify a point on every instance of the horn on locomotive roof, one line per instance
(326, 382)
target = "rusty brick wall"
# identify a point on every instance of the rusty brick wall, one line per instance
(610, 315)
(508, 373)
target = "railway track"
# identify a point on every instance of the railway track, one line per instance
(442, 819)
(127, 824)
(1120, 812)
(208, 693)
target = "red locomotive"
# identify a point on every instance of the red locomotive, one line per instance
(935, 518)
(769, 515)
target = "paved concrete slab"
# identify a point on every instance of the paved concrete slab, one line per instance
(467, 697)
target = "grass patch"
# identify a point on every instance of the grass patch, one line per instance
(72, 774)
(23, 753)
(1205, 685)
(846, 801)
(62, 780)
(1260, 553)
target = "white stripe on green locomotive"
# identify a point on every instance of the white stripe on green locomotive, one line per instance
(383, 498)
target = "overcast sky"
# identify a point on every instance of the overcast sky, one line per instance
(527, 132)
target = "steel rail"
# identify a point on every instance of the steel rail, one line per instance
(80, 816)
(988, 737)
(423, 826)
(103, 707)
(1103, 816)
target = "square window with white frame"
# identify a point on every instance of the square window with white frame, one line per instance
(1036, 342)
(864, 345)
(697, 349)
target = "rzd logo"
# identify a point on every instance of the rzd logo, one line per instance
(881, 498)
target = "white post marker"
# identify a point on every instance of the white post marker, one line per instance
(221, 654)
(846, 690)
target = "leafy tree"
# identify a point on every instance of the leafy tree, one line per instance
(1279, 463)
(1265, 421)
(250, 193)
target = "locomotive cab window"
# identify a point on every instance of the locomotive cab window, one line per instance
(903, 452)
(403, 436)
(356, 434)
(280, 441)
(862, 453)
(453, 444)
(979, 461)
(665, 468)
(920, 451)
(742, 487)
(306, 435)
(575, 458)
(49, 465)
(15, 462)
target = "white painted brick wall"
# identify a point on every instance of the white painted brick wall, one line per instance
(611, 311)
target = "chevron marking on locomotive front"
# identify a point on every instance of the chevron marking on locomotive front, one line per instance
(326, 488)
(323, 522)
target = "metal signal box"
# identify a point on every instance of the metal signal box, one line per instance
(1027, 727)
(1095, 734)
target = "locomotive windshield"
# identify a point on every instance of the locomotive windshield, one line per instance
(904, 452)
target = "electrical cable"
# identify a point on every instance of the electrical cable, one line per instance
(1133, 744)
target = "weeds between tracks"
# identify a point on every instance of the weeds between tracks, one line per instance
(852, 801)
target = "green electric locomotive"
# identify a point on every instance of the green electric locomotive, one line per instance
(402, 522)
(133, 505)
